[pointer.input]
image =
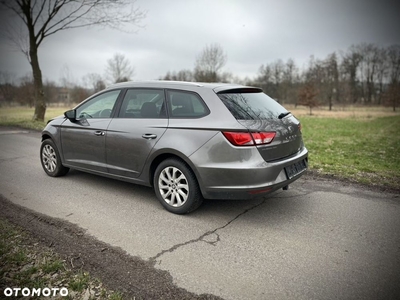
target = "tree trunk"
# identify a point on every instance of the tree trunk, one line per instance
(40, 99)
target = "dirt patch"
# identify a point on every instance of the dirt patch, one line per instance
(132, 276)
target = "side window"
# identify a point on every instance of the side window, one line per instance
(143, 103)
(186, 105)
(100, 106)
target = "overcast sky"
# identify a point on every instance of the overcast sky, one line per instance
(251, 32)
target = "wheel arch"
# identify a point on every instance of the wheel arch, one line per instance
(166, 155)
(46, 136)
(54, 135)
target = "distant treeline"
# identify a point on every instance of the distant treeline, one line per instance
(365, 74)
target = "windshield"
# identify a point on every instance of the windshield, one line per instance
(251, 106)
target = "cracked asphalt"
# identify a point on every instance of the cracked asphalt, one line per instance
(321, 239)
(206, 237)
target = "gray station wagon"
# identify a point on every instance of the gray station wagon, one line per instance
(190, 141)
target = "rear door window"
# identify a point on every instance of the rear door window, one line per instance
(143, 103)
(245, 105)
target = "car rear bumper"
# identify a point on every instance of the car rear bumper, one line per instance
(248, 179)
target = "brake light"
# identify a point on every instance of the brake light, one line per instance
(249, 139)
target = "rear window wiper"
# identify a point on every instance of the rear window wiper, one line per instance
(282, 115)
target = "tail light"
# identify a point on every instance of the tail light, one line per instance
(249, 138)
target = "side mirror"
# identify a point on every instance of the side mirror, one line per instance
(71, 115)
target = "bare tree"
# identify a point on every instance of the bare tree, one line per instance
(182, 75)
(66, 78)
(78, 94)
(307, 96)
(51, 91)
(393, 93)
(382, 70)
(350, 66)
(392, 96)
(394, 63)
(43, 18)
(7, 88)
(209, 63)
(264, 78)
(332, 79)
(25, 95)
(278, 79)
(277, 75)
(119, 68)
(94, 81)
(368, 66)
(289, 79)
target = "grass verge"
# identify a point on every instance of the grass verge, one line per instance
(24, 263)
(22, 117)
(363, 150)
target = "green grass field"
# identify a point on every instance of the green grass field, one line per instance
(358, 144)
(359, 149)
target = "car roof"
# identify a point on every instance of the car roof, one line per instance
(217, 87)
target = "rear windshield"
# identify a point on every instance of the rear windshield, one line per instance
(251, 106)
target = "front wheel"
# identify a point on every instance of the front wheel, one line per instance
(176, 187)
(50, 159)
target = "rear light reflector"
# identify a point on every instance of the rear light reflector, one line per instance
(260, 191)
(249, 138)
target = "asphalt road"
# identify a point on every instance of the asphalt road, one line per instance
(321, 239)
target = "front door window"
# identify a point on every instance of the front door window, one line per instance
(98, 107)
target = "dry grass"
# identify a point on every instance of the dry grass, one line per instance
(350, 111)
(26, 113)
(21, 116)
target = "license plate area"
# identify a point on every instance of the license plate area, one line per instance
(296, 168)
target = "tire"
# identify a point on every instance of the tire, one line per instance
(176, 187)
(50, 159)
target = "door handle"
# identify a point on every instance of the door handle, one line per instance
(99, 133)
(149, 136)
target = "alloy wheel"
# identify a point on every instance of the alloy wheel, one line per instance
(173, 186)
(49, 158)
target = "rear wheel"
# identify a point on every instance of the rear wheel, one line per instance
(50, 159)
(176, 187)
